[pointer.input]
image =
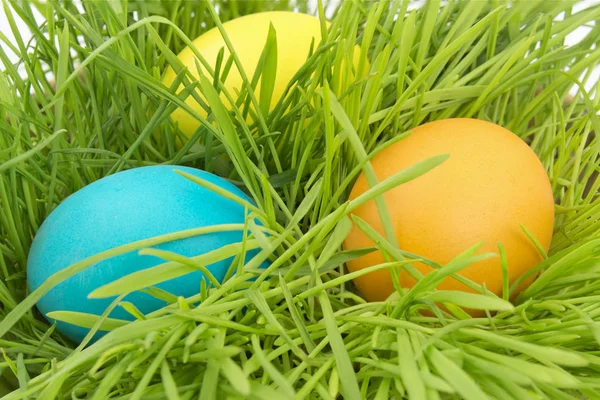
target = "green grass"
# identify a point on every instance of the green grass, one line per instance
(85, 100)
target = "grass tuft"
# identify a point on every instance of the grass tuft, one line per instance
(84, 100)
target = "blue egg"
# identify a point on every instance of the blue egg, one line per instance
(122, 208)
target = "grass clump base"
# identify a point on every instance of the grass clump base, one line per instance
(85, 100)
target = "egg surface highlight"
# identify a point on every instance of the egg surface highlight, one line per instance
(248, 34)
(119, 209)
(492, 183)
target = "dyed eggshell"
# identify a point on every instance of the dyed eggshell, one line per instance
(122, 208)
(492, 183)
(295, 33)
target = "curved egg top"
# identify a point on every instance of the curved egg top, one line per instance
(122, 208)
(492, 183)
(295, 33)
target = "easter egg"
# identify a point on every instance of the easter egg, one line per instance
(248, 34)
(491, 184)
(119, 209)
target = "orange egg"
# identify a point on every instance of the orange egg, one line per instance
(492, 183)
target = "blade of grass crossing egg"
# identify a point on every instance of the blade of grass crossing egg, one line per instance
(168, 270)
(542, 266)
(470, 300)
(269, 70)
(209, 137)
(351, 176)
(17, 312)
(386, 246)
(86, 320)
(260, 237)
(241, 262)
(338, 259)
(535, 242)
(344, 121)
(232, 139)
(238, 64)
(403, 176)
(174, 257)
(220, 191)
(176, 64)
(244, 100)
(160, 294)
(504, 268)
(350, 276)
(132, 310)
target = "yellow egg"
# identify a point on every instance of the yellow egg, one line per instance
(248, 35)
(492, 183)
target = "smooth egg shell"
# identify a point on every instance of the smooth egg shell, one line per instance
(248, 34)
(122, 208)
(492, 183)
